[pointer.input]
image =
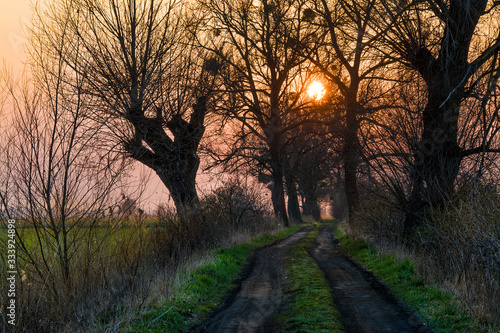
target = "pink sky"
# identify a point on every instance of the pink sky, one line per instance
(15, 14)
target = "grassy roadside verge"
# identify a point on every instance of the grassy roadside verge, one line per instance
(204, 289)
(311, 308)
(434, 305)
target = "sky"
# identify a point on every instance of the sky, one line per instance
(15, 14)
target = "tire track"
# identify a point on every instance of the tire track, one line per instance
(366, 305)
(260, 297)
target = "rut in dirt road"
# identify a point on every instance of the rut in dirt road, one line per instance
(261, 295)
(363, 302)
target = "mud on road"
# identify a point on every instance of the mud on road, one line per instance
(260, 295)
(365, 304)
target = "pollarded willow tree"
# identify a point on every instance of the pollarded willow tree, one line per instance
(151, 86)
(265, 74)
(454, 47)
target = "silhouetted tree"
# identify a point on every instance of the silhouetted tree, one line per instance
(442, 42)
(265, 75)
(152, 88)
(348, 57)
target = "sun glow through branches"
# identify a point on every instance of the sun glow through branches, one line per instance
(316, 90)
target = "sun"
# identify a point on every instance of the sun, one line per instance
(316, 90)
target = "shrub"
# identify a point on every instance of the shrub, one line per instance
(458, 246)
(230, 211)
(462, 246)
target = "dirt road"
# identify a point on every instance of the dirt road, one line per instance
(364, 303)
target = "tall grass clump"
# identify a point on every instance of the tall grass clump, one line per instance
(457, 247)
(462, 244)
(117, 265)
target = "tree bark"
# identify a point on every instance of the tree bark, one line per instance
(180, 179)
(278, 190)
(293, 198)
(436, 162)
(438, 156)
(351, 161)
(278, 193)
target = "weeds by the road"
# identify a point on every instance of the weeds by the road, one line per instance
(312, 308)
(457, 245)
(203, 289)
(118, 264)
(434, 305)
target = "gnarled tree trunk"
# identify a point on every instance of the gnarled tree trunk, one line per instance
(174, 161)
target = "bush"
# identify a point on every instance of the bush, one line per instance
(236, 207)
(458, 246)
(462, 244)
(379, 219)
(233, 210)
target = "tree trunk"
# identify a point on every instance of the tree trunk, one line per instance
(274, 141)
(436, 161)
(311, 206)
(351, 162)
(278, 193)
(293, 198)
(180, 179)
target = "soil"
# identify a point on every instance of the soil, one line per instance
(365, 304)
(260, 294)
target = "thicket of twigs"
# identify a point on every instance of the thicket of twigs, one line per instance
(458, 247)
(124, 266)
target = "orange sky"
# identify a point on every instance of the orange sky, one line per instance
(14, 14)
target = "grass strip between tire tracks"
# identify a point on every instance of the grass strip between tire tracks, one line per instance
(204, 289)
(311, 307)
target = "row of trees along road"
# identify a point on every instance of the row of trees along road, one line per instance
(157, 69)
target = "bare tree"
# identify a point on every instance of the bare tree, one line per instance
(150, 86)
(348, 58)
(441, 41)
(310, 149)
(265, 76)
(58, 184)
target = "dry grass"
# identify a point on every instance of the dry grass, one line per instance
(135, 267)
(458, 248)
(463, 246)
